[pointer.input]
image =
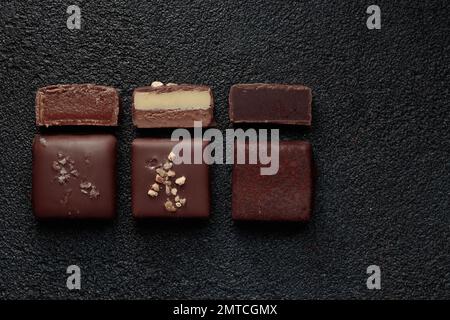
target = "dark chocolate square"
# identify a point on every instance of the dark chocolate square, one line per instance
(74, 176)
(285, 196)
(148, 157)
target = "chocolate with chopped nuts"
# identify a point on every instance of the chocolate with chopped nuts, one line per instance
(161, 188)
(285, 196)
(74, 176)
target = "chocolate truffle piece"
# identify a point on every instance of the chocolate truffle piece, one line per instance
(270, 103)
(161, 188)
(77, 104)
(285, 196)
(74, 176)
(172, 106)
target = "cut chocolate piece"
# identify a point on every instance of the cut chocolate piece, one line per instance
(74, 176)
(270, 103)
(161, 188)
(77, 104)
(171, 106)
(285, 196)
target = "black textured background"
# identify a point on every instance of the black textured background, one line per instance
(380, 135)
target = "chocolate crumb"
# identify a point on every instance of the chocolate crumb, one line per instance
(94, 193)
(56, 166)
(85, 185)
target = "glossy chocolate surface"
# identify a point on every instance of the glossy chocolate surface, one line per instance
(74, 176)
(285, 196)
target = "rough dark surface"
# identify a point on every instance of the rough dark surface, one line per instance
(380, 136)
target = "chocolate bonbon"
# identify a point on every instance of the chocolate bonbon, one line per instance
(285, 196)
(172, 105)
(270, 103)
(74, 176)
(77, 104)
(161, 188)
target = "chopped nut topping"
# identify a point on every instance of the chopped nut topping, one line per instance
(156, 84)
(164, 175)
(65, 166)
(161, 172)
(171, 156)
(169, 206)
(171, 173)
(170, 84)
(180, 181)
(167, 165)
(62, 179)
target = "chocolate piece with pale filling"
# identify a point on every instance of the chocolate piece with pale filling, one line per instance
(74, 176)
(270, 103)
(161, 188)
(172, 106)
(285, 196)
(77, 104)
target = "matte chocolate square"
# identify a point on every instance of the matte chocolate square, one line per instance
(285, 196)
(74, 176)
(161, 188)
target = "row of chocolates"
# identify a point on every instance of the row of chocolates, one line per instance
(172, 105)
